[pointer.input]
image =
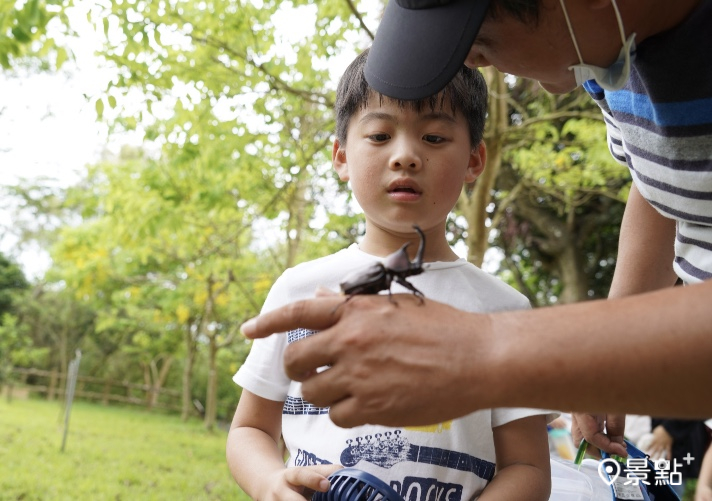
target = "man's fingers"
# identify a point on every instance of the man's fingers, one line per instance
(303, 358)
(343, 413)
(324, 291)
(604, 443)
(615, 427)
(324, 388)
(590, 427)
(318, 313)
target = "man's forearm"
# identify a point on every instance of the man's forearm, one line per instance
(643, 354)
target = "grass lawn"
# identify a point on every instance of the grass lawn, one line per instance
(111, 453)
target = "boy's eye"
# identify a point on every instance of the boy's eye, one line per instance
(432, 138)
(379, 137)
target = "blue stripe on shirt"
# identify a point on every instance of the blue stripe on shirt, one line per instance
(686, 113)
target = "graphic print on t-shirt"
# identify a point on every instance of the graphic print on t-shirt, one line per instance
(390, 448)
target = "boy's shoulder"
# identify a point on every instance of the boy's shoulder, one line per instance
(328, 271)
(502, 295)
(470, 288)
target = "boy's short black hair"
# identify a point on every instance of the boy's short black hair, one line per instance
(466, 92)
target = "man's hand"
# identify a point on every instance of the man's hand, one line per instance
(604, 431)
(392, 361)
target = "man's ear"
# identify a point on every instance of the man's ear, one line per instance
(478, 158)
(338, 159)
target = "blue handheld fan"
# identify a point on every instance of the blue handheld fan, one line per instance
(351, 484)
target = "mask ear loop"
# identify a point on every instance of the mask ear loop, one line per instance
(619, 20)
(571, 30)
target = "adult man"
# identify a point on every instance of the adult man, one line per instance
(647, 349)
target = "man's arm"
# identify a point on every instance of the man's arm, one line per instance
(643, 354)
(646, 250)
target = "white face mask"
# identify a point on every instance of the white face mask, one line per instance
(615, 76)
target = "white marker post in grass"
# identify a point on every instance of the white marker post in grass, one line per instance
(72, 373)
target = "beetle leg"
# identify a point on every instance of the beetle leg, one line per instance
(421, 248)
(348, 298)
(410, 287)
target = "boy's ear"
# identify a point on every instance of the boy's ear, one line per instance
(478, 158)
(338, 159)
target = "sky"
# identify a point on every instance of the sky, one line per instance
(47, 130)
(48, 127)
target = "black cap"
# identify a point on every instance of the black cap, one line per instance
(421, 44)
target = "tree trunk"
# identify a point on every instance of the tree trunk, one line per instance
(158, 377)
(186, 400)
(211, 399)
(473, 205)
(572, 275)
(147, 384)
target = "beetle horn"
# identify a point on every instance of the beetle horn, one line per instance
(421, 247)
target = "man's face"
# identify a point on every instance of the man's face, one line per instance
(545, 51)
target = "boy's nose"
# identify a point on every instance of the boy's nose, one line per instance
(400, 165)
(405, 157)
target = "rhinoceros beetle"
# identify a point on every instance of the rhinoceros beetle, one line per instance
(394, 268)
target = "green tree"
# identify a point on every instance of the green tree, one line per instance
(246, 144)
(551, 196)
(24, 32)
(12, 340)
(12, 281)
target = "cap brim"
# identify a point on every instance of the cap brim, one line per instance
(417, 52)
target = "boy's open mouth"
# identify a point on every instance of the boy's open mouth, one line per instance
(404, 186)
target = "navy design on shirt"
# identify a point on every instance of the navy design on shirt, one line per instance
(298, 406)
(306, 458)
(427, 489)
(388, 449)
(299, 333)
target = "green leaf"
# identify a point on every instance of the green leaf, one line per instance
(61, 57)
(21, 35)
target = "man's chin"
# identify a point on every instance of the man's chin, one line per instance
(558, 87)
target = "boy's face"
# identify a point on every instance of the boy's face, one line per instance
(407, 167)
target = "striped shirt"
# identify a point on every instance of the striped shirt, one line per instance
(660, 125)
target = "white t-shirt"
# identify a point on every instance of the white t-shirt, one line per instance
(455, 459)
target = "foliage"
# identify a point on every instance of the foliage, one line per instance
(13, 343)
(166, 249)
(12, 281)
(556, 202)
(23, 31)
(111, 453)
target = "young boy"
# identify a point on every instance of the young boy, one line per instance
(407, 162)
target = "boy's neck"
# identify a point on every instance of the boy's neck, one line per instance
(382, 242)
